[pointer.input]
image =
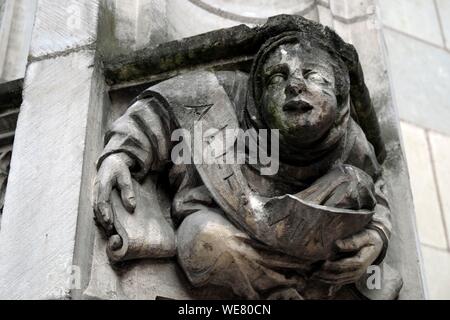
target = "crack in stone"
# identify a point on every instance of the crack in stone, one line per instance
(57, 54)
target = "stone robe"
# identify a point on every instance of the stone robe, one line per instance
(215, 248)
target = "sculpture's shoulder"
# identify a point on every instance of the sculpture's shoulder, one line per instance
(195, 87)
(232, 80)
(235, 84)
(361, 153)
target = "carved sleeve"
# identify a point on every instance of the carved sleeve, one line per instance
(381, 220)
(143, 133)
(363, 156)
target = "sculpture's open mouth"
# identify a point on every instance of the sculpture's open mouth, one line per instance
(297, 106)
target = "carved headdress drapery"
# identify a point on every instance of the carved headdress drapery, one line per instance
(295, 29)
(336, 135)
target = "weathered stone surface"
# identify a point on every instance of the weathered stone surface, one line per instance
(437, 266)
(415, 17)
(43, 202)
(419, 100)
(440, 151)
(141, 24)
(63, 25)
(180, 26)
(253, 9)
(363, 34)
(144, 279)
(444, 12)
(137, 24)
(188, 18)
(16, 24)
(324, 14)
(351, 10)
(426, 202)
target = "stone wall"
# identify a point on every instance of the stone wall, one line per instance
(48, 235)
(418, 42)
(47, 223)
(16, 23)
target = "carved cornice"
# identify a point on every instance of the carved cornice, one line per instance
(216, 48)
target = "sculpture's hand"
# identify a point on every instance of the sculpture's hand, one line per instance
(366, 245)
(114, 172)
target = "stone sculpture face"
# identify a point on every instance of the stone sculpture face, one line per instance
(299, 95)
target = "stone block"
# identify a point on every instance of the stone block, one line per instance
(63, 25)
(437, 271)
(426, 202)
(44, 200)
(351, 10)
(440, 148)
(16, 25)
(421, 78)
(417, 18)
(325, 15)
(444, 12)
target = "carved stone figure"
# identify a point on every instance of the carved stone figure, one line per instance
(308, 231)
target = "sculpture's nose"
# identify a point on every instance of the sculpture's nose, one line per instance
(296, 85)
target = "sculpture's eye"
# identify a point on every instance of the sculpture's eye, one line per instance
(313, 76)
(276, 78)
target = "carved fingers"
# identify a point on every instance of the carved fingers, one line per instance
(347, 270)
(114, 172)
(102, 205)
(126, 190)
(367, 246)
(354, 242)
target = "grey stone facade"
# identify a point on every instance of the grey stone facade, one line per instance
(47, 233)
(423, 26)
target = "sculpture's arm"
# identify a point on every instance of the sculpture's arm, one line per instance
(381, 221)
(138, 142)
(369, 246)
(362, 156)
(143, 133)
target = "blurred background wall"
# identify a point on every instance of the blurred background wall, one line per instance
(417, 34)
